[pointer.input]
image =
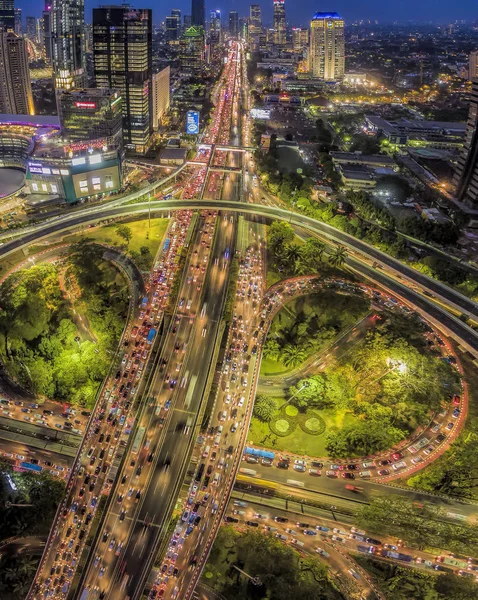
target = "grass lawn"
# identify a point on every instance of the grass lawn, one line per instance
(298, 441)
(272, 367)
(142, 236)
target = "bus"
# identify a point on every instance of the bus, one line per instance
(31, 467)
(138, 440)
(144, 302)
(295, 483)
(249, 472)
(151, 334)
(189, 395)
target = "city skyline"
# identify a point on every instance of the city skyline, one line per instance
(298, 14)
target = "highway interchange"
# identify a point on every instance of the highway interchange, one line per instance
(155, 440)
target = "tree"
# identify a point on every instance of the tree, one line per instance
(338, 256)
(264, 408)
(279, 233)
(458, 588)
(292, 356)
(125, 232)
(271, 349)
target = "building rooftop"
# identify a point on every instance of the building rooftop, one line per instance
(31, 120)
(326, 15)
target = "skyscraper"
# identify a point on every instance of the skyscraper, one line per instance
(215, 26)
(161, 95)
(198, 12)
(7, 15)
(255, 19)
(122, 53)
(300, 39)
(473, 65)
(47, 41)
(18, 20)
(191, 50)
(465, 180)
(173, 24)
(234, 23)
(68, 43)
(15, 87)
(327, 46)
(279, 23)
(31, 28)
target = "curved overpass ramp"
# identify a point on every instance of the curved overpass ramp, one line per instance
(413, 279)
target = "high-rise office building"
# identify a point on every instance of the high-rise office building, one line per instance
(122, 53)
(280, 30)
(198, 13)
(91, 114)
(173, 25)
(465, 180)
(15, 87)
(300, 39)
(67, 20)
(7, 15)
(31, 28)
(215, 26)
(234, 23)
(327, 46)
(177, 13)
(161, 95)
(473, 65)
(191, 50)
(18, 20)
(40, 38)
(47, 40)
(187, 22)
(255, 19)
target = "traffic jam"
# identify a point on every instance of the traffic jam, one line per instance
(305, 533)
(212, 480)
(108, 429)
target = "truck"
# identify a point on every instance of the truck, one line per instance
(396, 555)
(365, 549)
(31, 467)
(144, 302)
(353, 488)
(151, 335)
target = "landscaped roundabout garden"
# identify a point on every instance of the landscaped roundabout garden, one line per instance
(347, 372)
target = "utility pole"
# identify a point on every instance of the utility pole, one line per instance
(255, 580)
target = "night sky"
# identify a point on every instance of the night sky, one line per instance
(300, 12)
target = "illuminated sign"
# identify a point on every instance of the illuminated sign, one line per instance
(260, 113)
(35, 169)
(46, 171)
(118, 99)
(85, 104)
(95, 159)
(192, 122)
(79, 146)
(81, 160)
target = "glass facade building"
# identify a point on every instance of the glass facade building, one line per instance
(327, 47)
(122, 52)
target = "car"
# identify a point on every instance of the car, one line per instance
(302, 463)
(450, 426)
(310, 532)
(122, 515)
(346, 475)
(456, 413)
(282, 465)
(385, 462)
(331, 473)
(383, 472)
(299, 468)
(315, 472)
(281, 520)
(397, 456)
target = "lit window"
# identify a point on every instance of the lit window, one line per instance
(97, 188)
(96, 180)
(54, 188)
(109, 184)
(64, 171)
(43, 187)
(84, 183)
(35, 187)
(55, 171)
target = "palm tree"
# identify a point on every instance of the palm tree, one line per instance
(292, 355)
(301, 266)
(338, 256)
(271, 349)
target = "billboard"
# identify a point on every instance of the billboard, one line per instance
(260, 113)
(192, 122)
